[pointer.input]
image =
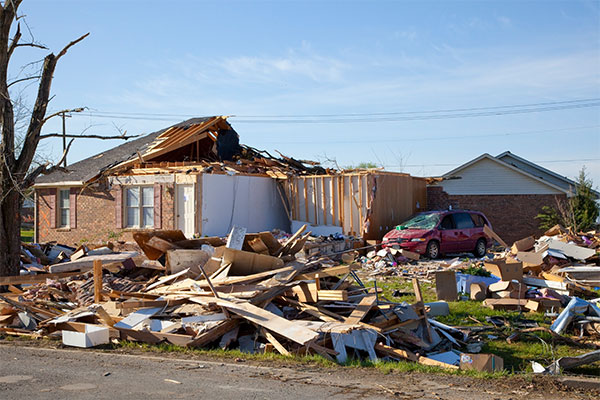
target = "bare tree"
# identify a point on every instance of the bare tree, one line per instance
(16, 158)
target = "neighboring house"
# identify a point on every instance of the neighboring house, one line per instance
(195, 176)
(27, 210)
(509, 190)
(162, 180)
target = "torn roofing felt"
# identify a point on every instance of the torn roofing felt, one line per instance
(175, 143)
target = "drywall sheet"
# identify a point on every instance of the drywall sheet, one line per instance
(249, 201)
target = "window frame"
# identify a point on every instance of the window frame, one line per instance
(60, 208)
(141, 206)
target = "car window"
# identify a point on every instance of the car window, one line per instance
(478, 220)
(463, 221)
(447, 222)
(421, 221)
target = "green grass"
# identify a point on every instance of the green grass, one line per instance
(538, 346)
(27, 235)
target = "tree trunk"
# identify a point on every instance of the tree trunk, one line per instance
(10, 233)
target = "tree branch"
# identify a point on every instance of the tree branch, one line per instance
(37, 120)
(24, 79)
(50, 135)
(15, 41)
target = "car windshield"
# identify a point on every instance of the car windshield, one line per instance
(421, 221)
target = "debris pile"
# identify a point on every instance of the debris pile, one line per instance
(248, 292)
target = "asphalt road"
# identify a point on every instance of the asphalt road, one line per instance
(45, 373)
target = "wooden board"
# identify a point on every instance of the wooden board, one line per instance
(86, 263)
(362, 309)
(272, 322)
(488, 231)
(25, 279)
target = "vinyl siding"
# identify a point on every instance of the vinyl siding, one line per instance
(537, 172)
(489, 177)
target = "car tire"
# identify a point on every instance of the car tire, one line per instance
(480, 248)
(433, 249)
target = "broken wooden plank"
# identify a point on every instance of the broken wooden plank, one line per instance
(26, 279)
(214, 333)
(273, 340)
(86, 263)
(266, 319)
(488, 231)
(150, 303)
(97, 281)
(362, 309)
(155, 337)
(332, 295)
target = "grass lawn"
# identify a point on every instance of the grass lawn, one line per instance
(540, 347)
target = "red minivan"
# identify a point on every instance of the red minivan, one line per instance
(433, 233)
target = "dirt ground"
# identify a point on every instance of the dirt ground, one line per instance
(35, 370)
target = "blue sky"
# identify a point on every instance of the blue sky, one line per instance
(167, 61)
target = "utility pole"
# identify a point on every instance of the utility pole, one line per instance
(64, 136)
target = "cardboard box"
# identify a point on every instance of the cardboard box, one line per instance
(505, 304)
(504, 270)
(247, 263)
(481, 362)
(523, 245)
(92, 336)
(543, 304)
(445, 285)
(508, 289)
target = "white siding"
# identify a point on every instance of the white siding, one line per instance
(489, 177)
(538, 172)
(248, 201)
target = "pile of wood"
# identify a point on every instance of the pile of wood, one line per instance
(248, 293)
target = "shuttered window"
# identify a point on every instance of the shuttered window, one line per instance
(139, 206)
(64, 208)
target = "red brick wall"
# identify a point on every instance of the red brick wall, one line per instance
(512, 216)
(96, 216)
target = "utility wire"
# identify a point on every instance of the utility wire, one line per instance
(369, 117)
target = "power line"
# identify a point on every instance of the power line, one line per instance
(369, 117)
(417, 139)
(456, 164)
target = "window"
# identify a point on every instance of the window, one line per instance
(463, 221)
(64, 208)
(139, 205)
(478, 220)
(447, 222)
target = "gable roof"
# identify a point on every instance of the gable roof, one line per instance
(540, 171)
(506, 165)
(83, 171)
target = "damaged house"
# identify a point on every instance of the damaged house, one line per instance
(195, 176)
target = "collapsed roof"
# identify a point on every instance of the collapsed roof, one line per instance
(208, 141)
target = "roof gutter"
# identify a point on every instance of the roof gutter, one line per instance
(55, 184)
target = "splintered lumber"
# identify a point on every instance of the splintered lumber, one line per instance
(150, 303)
(332, 295)
(272, 322)
(290, 242)
(97, 281)
(155, 337)
(18, 280)
(214, 333)
(488, 231)
(86, 263)
(362, 309)
(408, 355)
(323, 273)
(273, 340)
(419, 307)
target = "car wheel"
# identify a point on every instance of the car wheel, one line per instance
(480, 248)
(433, 249)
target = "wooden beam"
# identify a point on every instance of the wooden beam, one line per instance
(97, 281)
(30, 279)
(273, 340)
(324, 200)
(488, 231)
(304, 180)
(362, 309)
(314, 186)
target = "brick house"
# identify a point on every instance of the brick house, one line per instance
(181, 177)
(508, 189)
